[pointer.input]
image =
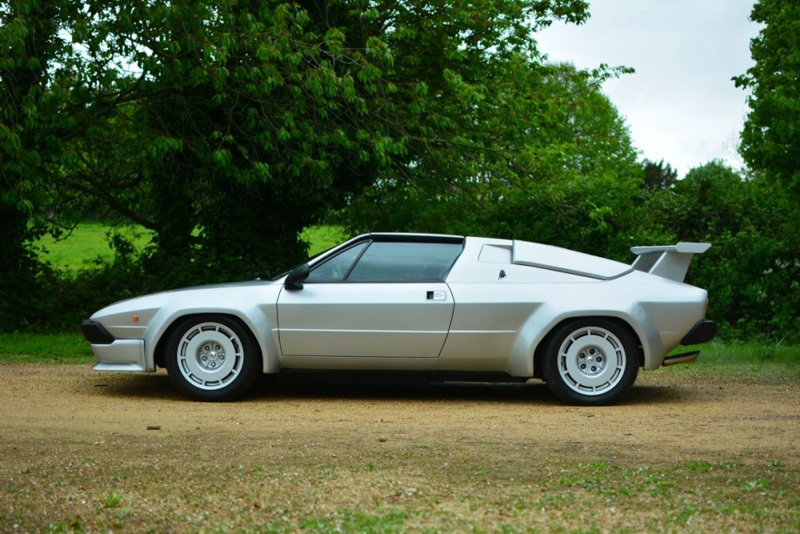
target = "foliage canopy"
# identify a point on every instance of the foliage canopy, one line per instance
(226, 127)
(771, 135)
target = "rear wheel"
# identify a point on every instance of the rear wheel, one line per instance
(212, 358)
(591, 361)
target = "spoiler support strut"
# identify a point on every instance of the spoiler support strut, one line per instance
(670, 262)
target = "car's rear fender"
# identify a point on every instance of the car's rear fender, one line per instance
(539, 352)
(540, 324)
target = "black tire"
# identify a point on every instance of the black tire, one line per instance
(590, 362)
(212, 358)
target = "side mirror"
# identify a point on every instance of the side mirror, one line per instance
(295, 279)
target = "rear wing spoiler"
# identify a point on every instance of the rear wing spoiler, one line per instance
(670, 262)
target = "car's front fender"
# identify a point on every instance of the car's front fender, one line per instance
(151, 317)
(255, 318)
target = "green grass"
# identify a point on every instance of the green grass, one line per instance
(762, 362)
(322, 237)
(88, 246)
(44, 348)
(557, 494)
(721, 353)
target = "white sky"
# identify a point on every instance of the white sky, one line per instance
(681, 104)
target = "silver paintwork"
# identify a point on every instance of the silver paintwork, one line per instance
(121, 355)
(566, 261)
(500, 299)
(669, 262)
(386, 320)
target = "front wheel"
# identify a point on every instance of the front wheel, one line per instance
(591, 361)
(212, 358)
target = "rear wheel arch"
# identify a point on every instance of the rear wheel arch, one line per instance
(539, 352)
(591, 360)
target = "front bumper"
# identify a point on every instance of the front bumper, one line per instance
(95, 333)
(114, 354)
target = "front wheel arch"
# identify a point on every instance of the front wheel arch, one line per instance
(161, 345)
(249, 362)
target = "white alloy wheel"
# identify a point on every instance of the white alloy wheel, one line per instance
(590, 361)
(210, 355)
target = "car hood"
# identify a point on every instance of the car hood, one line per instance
(150, 303)
(567, 261)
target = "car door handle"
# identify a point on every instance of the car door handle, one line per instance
(436, 295)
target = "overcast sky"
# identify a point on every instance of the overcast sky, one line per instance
(681, 104)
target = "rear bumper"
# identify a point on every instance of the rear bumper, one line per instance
(700, 333)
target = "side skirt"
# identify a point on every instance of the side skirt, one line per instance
(294, 376)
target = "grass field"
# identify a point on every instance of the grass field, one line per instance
(88, 245)
(323, 237)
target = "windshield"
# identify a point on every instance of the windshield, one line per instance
(293, 267)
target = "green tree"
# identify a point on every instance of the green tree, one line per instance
(752, 269)
(32, 127)
(544, 156)
(253, 120)
(226, 127)
(658, 176)
(771, 134)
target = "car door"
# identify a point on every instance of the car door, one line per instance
(376, 299)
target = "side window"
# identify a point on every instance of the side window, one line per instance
(405, 262)
(336, 268)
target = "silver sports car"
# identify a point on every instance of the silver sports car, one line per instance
(438, 304)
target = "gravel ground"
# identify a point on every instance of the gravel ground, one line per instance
(81, 450)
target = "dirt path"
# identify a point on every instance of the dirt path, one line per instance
(73, 440)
